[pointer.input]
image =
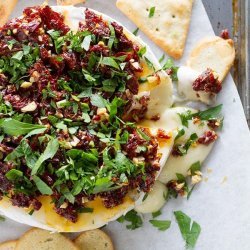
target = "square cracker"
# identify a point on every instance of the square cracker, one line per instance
(169, 25)
(6, 7)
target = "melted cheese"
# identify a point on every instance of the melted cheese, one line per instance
(155, 199)
(186, 77)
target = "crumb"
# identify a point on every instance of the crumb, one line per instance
(224, 180)
(205, 179)
(209, 170)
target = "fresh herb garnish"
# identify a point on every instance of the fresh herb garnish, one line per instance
(2, 218)
(132, 217)
(49, 152)
(162, 225)
(190, 230)
(171, 69)
(151, 12)
(135, 32)
(209, 114)
(156, 214)
(42, 186)
(13, 127)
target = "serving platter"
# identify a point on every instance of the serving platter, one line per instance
(220, 203)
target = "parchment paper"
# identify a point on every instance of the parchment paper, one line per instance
(221, 205)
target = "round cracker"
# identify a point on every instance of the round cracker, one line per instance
(8, 245)
(94, 240)
(215, 53)
(42, 240)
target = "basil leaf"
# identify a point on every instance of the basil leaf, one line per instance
(42, 186)
(49, 153)
(190, 231)
(162, 225)
(98, 101)
(151, 12)
(14, 175)
(16, 128)
(109, 61)
(86, 42)
(211, 113)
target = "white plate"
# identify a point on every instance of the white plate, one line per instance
(220, 205)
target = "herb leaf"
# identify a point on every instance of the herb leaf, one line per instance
(162, 225)
(98, 101)
(42, 186)
(190, 231)
(211, 113)
(135, 32)
(156, 214)
(169, 65)
(13, 127)
(49, 153)
(134, 218)
(151, 12)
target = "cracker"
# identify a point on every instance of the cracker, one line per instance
(6, 7)
(169, 25)
(215, 53)
(42, 240)
(69, 2)
(94, 240)
(8, 245)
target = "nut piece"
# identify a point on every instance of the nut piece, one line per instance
(26, 85)
(29, 107)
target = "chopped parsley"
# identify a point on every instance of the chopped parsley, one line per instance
(156, 214)
(135, 32)
(162, 225)
(151, 12)
(171, 69)
(2, 218)
(206, 115)
(133, 218)
(190, 231)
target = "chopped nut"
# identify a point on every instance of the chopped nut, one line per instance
(75, 141)
(26, 85)
(101, 43)
(102, 112)
(26, 32)
(85, 199)
(14, 31)
(198, 173)
(40, 39)
(136, 65)
(196, 179)
(153, 79)
(64, 205)
(59, 114)
(35, 76)
(180, 186)
(29, 107)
